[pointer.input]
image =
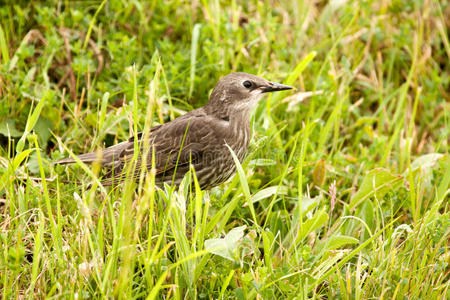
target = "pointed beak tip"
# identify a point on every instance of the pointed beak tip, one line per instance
(288, 87)
(274, 87)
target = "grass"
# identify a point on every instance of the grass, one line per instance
(343, 195)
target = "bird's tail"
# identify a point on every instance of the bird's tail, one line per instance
(105, 157)
(86, 158)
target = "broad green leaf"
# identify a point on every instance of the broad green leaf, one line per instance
(268, 192)
(425, 162)
(307, 205)
(227, 246)
(310, 225)
(33, 164)
(376, 183)
(368, 216)
(8, 128)
(338, 241)
(333, 242)
(42, 129)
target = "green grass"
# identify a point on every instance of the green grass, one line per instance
(343, 195)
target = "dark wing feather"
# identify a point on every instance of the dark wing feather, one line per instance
(176, 145)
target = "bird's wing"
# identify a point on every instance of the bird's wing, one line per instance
(175, 145)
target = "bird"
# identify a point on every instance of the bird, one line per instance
(201, 138)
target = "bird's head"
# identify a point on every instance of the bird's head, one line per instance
(241, 91)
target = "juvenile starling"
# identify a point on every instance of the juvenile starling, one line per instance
(198, 137)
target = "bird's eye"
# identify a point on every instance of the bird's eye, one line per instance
(247, 84)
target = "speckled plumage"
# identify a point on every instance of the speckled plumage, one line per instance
(198, 137)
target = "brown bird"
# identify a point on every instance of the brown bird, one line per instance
(199, 137)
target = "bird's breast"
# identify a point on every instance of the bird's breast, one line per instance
(217, 164)
(239, 139)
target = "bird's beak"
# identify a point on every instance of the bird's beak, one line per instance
(273, 87)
